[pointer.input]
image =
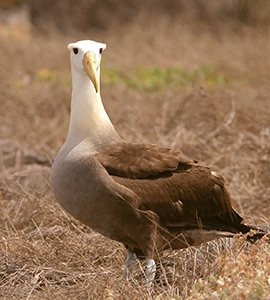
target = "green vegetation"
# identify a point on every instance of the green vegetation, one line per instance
(156, 78)
(51, 75)
(147, 79)
(46, 75)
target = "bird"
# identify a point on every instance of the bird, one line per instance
(148, 197)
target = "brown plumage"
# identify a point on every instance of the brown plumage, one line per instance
(150, 198)
(182, 195)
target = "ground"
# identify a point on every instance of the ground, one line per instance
(201, 91)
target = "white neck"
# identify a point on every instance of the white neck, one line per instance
(88, 119)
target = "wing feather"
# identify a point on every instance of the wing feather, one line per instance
(181, 192)
(139, 160)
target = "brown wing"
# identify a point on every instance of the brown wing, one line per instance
(187, 199)
(140, 160)
(181, 193)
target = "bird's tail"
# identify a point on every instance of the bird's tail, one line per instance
(254, 233)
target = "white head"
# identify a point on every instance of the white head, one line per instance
(88, 118)
(85, 59)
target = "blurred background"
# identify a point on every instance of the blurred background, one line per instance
(190, 74)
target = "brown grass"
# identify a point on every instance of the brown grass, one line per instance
(68, 15)
(46, 254)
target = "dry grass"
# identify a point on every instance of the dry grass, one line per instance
(46, 254)
(107, 14)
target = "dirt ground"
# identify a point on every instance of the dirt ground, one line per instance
(205, 92)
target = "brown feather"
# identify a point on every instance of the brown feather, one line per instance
(140, 160)
(183, 195)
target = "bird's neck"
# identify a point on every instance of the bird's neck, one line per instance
(88, 119)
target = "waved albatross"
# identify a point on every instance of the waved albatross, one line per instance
(147, 197)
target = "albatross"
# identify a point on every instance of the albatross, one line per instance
(145, 196)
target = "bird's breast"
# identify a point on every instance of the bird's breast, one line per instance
(76, 185)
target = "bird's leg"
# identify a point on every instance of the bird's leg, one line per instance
(150, 272)
(131, 258)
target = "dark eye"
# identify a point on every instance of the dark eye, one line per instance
(75, 50)
(100, 51)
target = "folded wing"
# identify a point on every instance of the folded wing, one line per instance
(182, 193)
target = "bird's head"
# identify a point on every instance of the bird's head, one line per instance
(85, 58)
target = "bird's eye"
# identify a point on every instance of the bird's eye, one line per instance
(75, 50)
(100, 51)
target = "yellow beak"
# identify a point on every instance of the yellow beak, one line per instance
(90, 67)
